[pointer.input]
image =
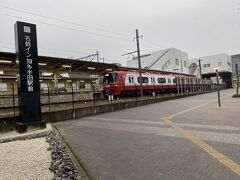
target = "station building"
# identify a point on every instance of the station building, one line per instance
(57, 75)
(171, 60)
(209, 63)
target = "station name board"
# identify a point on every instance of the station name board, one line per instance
(27, 54)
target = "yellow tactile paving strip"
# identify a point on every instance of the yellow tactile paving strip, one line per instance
(224, 160)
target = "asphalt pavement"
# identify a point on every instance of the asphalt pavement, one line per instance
(184, 139)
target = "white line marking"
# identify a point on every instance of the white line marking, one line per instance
(232, 128)
(168, 131)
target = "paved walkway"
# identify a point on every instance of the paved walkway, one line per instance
(184, 139)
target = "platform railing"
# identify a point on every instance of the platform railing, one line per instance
(54, 100)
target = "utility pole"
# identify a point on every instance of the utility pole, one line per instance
(200, 67)
(237, 78)
(139, 61)
(218, 88)
(97, 56)
(139, 64)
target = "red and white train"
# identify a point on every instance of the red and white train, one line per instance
(123, 83)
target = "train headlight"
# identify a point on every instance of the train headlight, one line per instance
(115, 85)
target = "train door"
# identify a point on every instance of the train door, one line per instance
(162, 82)
(177, 84)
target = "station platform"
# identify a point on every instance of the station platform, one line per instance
(183, 139)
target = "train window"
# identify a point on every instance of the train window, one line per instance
(110, 78)
(130, 79)
(161, 80)
(169, 80)
(115, 77)
(152, 80)
(144, 80)
(174, 80)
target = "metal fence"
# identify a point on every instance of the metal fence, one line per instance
(53, 100)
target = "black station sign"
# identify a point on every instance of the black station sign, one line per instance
(27, 55)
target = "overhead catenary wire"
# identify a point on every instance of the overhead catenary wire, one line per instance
(152, 44)
(69, 53)
(65, 21)
(47, 48)
(69, 28)
(58, 51)
(149, 44)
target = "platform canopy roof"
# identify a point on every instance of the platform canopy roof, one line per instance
(9, 62)
(59, 64)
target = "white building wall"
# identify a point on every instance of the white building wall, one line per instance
(208, 63)
(167, 62)
(145, 60)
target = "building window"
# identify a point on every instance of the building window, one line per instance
(61, 86)
(177, 61)
(206, 65)
(229, 64)
(82, 84)
(164, 67)
(185, 63)
(74, 86)
(166, 64)
(3, 86)
(44, 86)
(219, 63)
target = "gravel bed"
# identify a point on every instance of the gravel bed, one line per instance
(29, 157)
(61, 164)
(32, 136)
(14, 135)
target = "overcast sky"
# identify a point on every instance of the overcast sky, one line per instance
(199, 27)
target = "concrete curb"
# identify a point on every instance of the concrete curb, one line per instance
(82, 171)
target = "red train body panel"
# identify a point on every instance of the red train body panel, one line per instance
(127, 82)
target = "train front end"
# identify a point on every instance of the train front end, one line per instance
(111, 84)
